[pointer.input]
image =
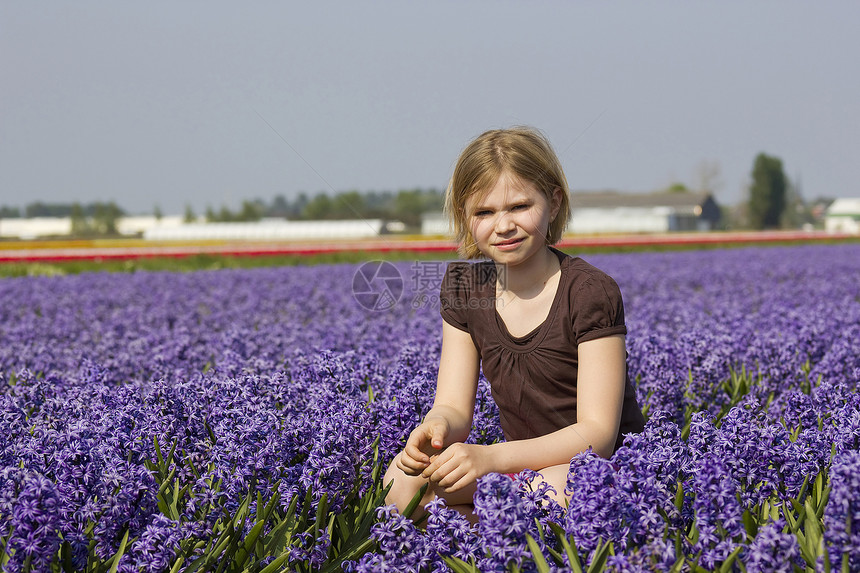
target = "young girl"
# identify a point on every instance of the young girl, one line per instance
(546, 328)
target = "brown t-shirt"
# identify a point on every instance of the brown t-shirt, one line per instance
(533, 377)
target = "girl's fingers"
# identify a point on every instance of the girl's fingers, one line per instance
(437, 438)
(410, 465)
(436, 463)
(443, 468)
(416, 454)
(416, 466)
(457, 485)
(451, 481)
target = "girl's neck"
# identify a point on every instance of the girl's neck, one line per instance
(529, 276)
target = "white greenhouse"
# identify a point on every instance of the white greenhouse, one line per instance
(843, 216)
(276, 229)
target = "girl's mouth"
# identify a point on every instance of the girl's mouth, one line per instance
(509, 245)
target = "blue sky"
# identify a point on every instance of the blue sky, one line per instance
(210, 103)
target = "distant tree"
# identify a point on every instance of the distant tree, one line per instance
(348, 205)
(767, 199)
(677, 188)
(189, 217)
(80, 225)
(156, 212)
(280, 207)
(105, 217)
(297, 208)
(36, 209)
(797, 212)
(379, 203)
(9, 212)
(225, 214)
(434, 199)
(319, 207)
(40, 209)
(251, 211)
(408, 206)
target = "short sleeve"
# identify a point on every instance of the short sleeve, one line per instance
(453, 295)
(600, 309)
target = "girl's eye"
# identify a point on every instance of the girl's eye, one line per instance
(483, 213)
(520, 207)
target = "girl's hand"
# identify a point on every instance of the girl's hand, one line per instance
(458, 466)
(424, 443)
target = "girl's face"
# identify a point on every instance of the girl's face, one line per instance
(509, 223)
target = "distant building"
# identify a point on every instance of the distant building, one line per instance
(39, 227)
(613, 212)
(174, 228)
(843, 216)
(435, 223)
(141, 224)
(269, 229)
(35, 227)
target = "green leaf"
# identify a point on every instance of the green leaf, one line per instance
(569, 547)
(172, 451)
(65, 557)
(322, 510)
(177, 565)
(457, 565)
(679, 496)
(226, 539)
(822, 502)
(120, 552)
(818, 488)
(799, 510)
(166, 482)
(750, 524)
(158, 451)
(537, 555)
(350, 554)
(4, 556)
(694, 534)
(276, 564)
(249, 541)
(726, 567)
(813, 529)
(416, 499)
(174, 504)
(601, 552)
(353, 533)
(679, 564)
(804, 550)
(281, 535)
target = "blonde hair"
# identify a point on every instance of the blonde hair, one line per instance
(521, 151)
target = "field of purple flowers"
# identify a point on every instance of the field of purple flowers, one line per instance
(239, 420)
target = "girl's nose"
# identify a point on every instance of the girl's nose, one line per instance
(504, 223)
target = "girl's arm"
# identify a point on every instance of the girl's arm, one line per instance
(600, 393)
(450, 418)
